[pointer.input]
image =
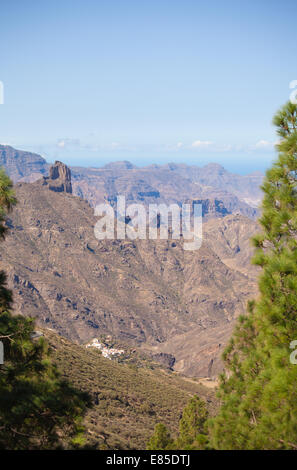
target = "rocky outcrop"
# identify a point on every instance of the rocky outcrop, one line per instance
(59, 179)
(167, 360)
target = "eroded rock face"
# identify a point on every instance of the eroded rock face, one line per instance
(167, 360)
(59, 179)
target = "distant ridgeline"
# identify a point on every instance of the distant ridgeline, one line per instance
(221, 192)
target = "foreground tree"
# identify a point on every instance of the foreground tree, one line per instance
(258, 391)
(38, 410)
(161, 439)
(192, 430)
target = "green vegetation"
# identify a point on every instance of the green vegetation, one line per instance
(192, 426)
(192, 429)
(7, 200)
(161, 439)
(259, 388)
(38, 410)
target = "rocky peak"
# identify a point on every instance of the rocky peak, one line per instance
(59, 179)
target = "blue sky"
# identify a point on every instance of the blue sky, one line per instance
(89, 82)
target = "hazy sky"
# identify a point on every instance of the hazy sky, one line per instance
(148, 81)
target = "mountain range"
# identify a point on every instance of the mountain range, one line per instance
(148, 294)
(170, 183)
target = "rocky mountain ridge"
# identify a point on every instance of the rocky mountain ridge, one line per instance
(147, 293)
(170, 183)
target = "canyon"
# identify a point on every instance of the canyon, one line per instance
(149, 294)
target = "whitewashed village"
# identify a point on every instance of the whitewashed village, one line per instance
(109, 353)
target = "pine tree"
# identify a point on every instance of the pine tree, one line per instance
(161, 439)
(192, 430)
(258, 390)
(7, 200)
(38, 410)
